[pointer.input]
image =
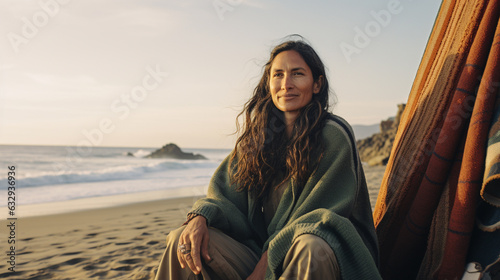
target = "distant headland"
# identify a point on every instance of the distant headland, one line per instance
(376, 149)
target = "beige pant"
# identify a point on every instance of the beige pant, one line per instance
(310, 257)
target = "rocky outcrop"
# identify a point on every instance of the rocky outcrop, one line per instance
(173, 151)
(375, 150)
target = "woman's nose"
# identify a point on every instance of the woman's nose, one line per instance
(287, 82)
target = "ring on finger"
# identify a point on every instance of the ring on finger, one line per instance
(183, 248)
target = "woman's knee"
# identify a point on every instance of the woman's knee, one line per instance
(314, 246)
(311, 241)
(173, 237)
(310, 257)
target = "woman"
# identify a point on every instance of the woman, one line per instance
(290, 202)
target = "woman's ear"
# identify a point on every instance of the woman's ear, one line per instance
(317, 84)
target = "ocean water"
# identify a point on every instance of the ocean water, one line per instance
(46, 174)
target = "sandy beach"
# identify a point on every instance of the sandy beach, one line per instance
(120, 242)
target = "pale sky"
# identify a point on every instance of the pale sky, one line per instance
(145, 73)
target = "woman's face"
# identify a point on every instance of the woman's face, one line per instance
(291, 83)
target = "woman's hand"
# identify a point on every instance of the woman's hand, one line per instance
(195, 238)
(259, 271)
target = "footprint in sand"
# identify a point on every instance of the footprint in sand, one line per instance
(123, 243)
(90, 267)
(130, 261)
(46, 258)
(7, 274)
(123, 268)
(99, 246)
(74, 261)
(90, 235)
(156, 256)
(53, 267)
(24, 253)
(99, 274)
(103, 259)
(71, 253)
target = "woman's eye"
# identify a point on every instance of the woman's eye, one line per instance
(298, 73)
(278, 74)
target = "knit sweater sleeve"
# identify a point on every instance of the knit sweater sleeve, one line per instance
(225, 208)
(333, 205)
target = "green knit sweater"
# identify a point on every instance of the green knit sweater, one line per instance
(333, 205)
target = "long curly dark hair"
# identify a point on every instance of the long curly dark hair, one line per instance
(263, 152)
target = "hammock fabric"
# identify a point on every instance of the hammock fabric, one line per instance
(425, 210)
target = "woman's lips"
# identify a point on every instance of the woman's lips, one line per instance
(289, 96)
